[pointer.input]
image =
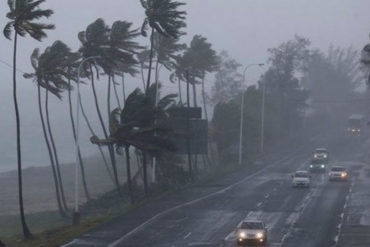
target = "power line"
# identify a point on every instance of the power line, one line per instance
(10, 66)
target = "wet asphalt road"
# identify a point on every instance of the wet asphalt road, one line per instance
(294, 216)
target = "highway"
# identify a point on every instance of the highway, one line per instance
(294, 216)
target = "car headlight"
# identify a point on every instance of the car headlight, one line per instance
(343, 175)
(311, 166)
(325, 156)
(315, 156)
(353, 130)
(242, 235)
(259, 235)
(322, 166)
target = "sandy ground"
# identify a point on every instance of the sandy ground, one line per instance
(39, 189)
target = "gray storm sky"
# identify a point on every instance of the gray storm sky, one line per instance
(244, 28)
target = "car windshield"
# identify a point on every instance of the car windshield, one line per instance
(338, 169)
(301, 175)
(316, 162)
(251, 225)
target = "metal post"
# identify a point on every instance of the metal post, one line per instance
(156, 104)
(263, 116)
(76, 213)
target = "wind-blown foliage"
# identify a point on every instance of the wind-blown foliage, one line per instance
(163, 17)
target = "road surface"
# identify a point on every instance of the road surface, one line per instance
(294, 217)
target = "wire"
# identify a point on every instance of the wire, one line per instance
(10, 66)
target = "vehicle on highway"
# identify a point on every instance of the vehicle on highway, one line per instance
(318, 165)
(301, 179)
(355, 123)
(321, 153)
(251, 232)
(338, 173)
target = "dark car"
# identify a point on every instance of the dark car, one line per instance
(318, 165)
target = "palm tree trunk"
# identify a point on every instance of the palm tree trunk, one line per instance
(116, 94)
(110, 147)
(26, 231)
(57, 165)
(93, 134)
(180, 94)
(150, 59)
(124, 89)
(128, 171)
(74, 137)
(142, 76)
(188, 144)
(145, 172)
(56, 182)
(108, 98)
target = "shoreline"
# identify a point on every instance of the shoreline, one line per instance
(39, 190)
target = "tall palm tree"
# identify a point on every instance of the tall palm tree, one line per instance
(22, 15)
(38, 78)
(163, 17)
(95, 42)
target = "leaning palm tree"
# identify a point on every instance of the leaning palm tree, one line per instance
(205, 60)
(166, 50)
(95, 42)
(22, 16)
(163, 17)
(37, 76)
(134, 126)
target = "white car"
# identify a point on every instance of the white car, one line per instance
(301, 179)
(338, 173)
(252, 232)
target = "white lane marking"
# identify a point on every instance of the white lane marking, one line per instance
(259, 204)
(267, 196)
(187, 235)
(118, 241)
(295, 216)
(336, 238)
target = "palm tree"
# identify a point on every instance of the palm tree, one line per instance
(37, 76)
(163, 17)
(166, 50)
(143, 58)
(95, 42)
(22, 15)
(122, 48)
(134, 126)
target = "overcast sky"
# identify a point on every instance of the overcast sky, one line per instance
(244, 28)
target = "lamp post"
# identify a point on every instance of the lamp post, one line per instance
(263, 116)
(156, 104)
(242, 112)
(76, 213)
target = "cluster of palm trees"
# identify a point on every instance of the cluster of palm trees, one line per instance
(139, 120)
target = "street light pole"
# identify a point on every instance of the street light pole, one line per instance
(263, 115)
(242, 112)
(156, 104)
(76, 213)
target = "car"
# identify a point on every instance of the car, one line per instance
(251, 232)
(318, 165)
(338, 173)
(301, 179)
(321, 153)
